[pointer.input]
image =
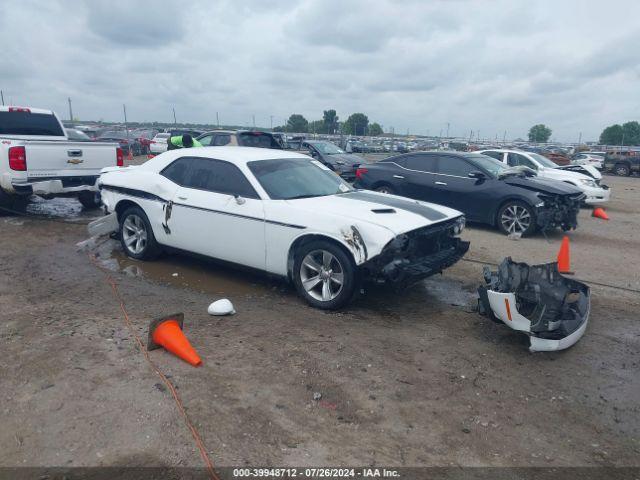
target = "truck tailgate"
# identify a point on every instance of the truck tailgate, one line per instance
(57, 158)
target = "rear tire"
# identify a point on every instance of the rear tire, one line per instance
(136, 235)
(90, 200)
(324, 275)
(516, 217)
(622, 169)
(13, 204)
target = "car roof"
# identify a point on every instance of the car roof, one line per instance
(233, 154)
(503, 150)
(5, 108)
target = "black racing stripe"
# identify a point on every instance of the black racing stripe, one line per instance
(256, 219)
(132, 192)
(409, 205)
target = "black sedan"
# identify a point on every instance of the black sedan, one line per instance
(341, 162)
(484, 189)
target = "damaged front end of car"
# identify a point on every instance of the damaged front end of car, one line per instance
(538, 301)
(558, 211)
(418, 254)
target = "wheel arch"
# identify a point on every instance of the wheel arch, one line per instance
(310, 237)
(123, 205)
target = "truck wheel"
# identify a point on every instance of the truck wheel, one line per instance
(90, 200)
(385, 188)
(136, 235)
(622, 169)
(324, 275)
(10, 204)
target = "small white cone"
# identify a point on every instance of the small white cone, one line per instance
(221, 307)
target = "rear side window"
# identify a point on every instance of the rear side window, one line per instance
(26, 123)
(454, 166)
(177, 171)
(496, 155)
(258, 139)
(206, 140)
(422, 163)
(210, 175)
(515, 159)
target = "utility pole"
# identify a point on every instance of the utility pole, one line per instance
(447, 129)
(126, 125)
(254, 121)
(271, 116)
(2, 96)
(175, 122)
(470, 135)
(217, 120)
(580, 139)
(504, 137)
(70, 111)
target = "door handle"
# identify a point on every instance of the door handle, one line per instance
(398, 176)
(182, 198)
(440, 183)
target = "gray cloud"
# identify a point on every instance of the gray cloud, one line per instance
(415, 65)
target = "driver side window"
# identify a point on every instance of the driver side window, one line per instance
(515, 159)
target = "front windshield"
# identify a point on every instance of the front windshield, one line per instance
(544, 161)
(290, 178)
(327, 148)
(493, 166)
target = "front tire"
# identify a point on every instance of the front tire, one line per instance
(90, 200)
(516, 217)
(136, 235)
(324, 275)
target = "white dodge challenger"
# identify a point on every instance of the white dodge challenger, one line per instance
(280, 212)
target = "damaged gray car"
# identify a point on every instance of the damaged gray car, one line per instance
(551, 309)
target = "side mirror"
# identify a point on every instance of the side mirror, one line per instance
(239, 200)
(477, 175)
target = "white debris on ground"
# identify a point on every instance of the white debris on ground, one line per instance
(221, 307)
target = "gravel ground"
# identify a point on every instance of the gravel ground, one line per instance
(417, 379)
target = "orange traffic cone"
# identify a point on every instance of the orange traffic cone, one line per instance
(130, 156)
(564, 258)
(166, 332)
(600, 213)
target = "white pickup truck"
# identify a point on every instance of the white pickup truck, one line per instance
(37, 158)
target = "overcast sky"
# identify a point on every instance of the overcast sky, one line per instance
(411, 64)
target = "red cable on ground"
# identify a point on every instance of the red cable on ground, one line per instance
(167, 382)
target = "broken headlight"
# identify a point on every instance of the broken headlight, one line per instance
(458, 226)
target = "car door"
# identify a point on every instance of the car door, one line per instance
(216, 212)
(416, 177)
(457, 190)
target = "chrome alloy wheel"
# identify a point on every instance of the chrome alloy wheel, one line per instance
(134, 234)
(515, 219)
(321, 275)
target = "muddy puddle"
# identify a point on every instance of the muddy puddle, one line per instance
(216, 278)
(184, 271)
(65, 208)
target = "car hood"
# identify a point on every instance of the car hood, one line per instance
(562, 174)
(588, 170)
(538, 184)
(397, 214)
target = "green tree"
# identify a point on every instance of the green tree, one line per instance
(356, 124)
(631, 132)
(539, 133)
(330, 119)
(612, 135)
(375, 129)
(317, 126)
(297, 123)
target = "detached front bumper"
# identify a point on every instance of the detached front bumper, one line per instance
(538, 301)
(418, 254)
(559, 211)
